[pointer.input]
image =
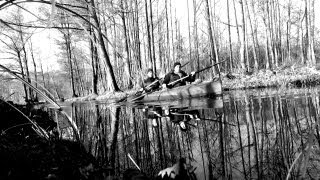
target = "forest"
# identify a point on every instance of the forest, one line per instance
(107, 46)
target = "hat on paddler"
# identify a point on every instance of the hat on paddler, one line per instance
(176, 64)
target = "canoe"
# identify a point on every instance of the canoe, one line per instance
(211, 88)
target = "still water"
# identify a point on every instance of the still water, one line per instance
(254, 134)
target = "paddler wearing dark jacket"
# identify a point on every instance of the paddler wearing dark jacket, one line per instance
(149, 80)
(176, 74)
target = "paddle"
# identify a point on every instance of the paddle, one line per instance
(143, 94)
(157, 80)
(174, 82)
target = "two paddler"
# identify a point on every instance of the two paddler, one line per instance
(171, 80)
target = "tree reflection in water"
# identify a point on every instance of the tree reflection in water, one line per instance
(250, 137)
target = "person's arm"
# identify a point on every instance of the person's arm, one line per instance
(191, 77)
(155, 84)
(166, 80)
(141, 84)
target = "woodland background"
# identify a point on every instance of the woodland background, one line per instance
(107, 45)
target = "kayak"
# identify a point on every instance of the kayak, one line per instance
(211, 88)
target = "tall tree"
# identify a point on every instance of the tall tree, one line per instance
(67, 45)
(34, 68)
(230, 39)
(253, 37)
(126, 38)
(195, 34)
(210, 34)
(112, 83)
(154, 63)
(243, 51)
(167, 35)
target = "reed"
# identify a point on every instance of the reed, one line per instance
(47, 98)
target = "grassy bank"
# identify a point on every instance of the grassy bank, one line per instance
(288, 77)
(26, 155)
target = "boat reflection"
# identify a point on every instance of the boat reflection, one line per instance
(182, 117)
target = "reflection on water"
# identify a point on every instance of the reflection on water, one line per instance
(246, 136)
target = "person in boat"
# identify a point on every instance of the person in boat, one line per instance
(150, 83)
(176, 74)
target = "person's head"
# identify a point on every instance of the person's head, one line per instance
(177, 67)
(150, 72)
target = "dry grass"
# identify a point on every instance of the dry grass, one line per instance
(290, 77)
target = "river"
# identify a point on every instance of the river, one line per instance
(251, 134)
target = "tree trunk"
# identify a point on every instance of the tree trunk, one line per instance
(42, 74)
(69, 57)
(253, 38)
(312, 29)
(301, 40)
(237, 27)
(230, 39)
(34, 69)
(243, 40)
(154, 62)
(25, 60)
(22, 74)
(289, 31)
(189, 35)
(168, 37)
(195, 31)
(210, 33)
(137, 36)
(148, 33)
(173, 58)
(94, 63)
(127, 60)
(112, 83)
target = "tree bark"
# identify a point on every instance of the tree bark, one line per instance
(154, 62)
(230, 39)
(127, 60)
(253, 38)
(288, 31)
(168, 37)
(34, 69)
(137, 36)
(243, 40)
(195, 35)
(210, 33)
(112, 83)
(148, 33)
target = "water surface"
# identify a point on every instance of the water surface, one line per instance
(254, 134)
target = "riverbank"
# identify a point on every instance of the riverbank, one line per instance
(288, 77)
(25, 154)
(293, 76)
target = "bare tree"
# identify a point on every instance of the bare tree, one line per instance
(113, 86)
(126, 38)
(210, 34)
